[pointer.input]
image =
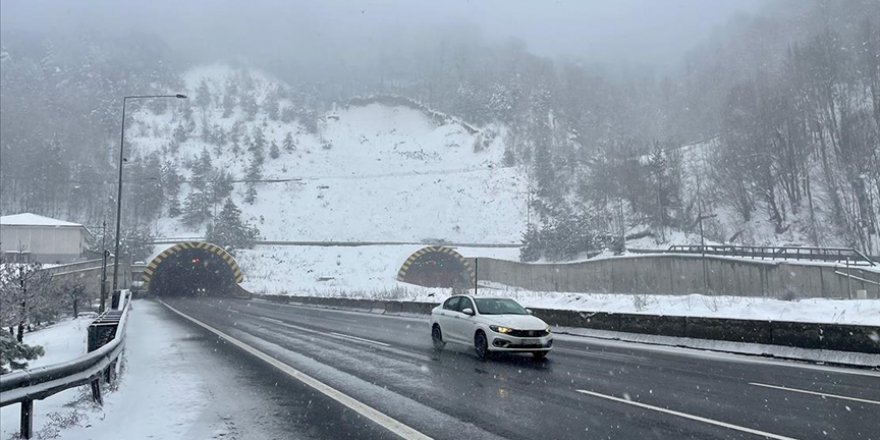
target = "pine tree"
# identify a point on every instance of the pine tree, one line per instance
(197, 208)
(202, 170)
(273, 151)
(198, 204)
(230, 231)
(180, 135)
(258, 146)
(221, 186)
(203, 96)
(15, 353)
(508, 160)
(288, 144)
(254, 173)
(171, 183)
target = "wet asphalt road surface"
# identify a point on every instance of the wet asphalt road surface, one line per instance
(585, 389)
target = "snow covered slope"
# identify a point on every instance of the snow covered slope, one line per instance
(372, 172)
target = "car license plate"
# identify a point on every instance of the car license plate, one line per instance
(531, 341)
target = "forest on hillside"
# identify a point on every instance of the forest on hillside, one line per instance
(775, 120)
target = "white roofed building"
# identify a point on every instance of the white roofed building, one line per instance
(29, 237)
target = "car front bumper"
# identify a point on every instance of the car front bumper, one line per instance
(503, 342)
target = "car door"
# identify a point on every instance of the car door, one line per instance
(447, 317)
(463, 324)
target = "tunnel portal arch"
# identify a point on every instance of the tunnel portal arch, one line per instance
(437, 266)
(194, 269)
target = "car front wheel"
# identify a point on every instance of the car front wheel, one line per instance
(437, 338)
(481, 345)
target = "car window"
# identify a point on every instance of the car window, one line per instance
(465, 303)
(499, 306)
(452, 303)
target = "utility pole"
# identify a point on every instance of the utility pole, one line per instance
(104, 255)
(703, 247)
(476, 274)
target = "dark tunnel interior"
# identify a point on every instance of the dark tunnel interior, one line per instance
(437, 269)
(193, 272)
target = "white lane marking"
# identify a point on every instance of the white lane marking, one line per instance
(381, 419)
(797, 390)
(689, 416)
(330, 334)
(361, 339)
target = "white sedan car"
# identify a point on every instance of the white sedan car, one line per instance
(489, 325)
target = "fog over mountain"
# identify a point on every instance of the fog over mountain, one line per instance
(589, 126)
(643, 33)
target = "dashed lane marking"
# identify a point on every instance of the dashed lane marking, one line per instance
(688, 416)
(330, 334)
(361, 339)
(815, 393)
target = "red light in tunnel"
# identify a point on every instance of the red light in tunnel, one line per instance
(196, 261)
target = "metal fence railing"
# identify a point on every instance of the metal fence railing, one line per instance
(834, 255)
(106, 343)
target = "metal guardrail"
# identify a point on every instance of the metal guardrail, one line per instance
(94, 367)
(852, 256)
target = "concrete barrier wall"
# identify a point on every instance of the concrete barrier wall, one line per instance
(88, 274)
(854, 338)
(682, 274)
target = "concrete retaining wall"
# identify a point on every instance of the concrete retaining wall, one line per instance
(682, 274)
(855, 338)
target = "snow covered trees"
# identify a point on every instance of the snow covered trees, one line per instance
(230, 231)
(25, 294)
(15, 353)
(289, 144)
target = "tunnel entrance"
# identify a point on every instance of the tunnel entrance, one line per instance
(193, 269)
(436, 266)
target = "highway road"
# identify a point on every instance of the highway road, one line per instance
(586, 389)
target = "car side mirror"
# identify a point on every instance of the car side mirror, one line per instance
(468, 311)
(529, 311)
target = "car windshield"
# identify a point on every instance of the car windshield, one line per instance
(499, 306)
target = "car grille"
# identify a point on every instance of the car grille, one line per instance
(529, 333)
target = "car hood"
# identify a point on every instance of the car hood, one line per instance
(518, 322)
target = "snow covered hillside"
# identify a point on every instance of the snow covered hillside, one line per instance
(371, 172)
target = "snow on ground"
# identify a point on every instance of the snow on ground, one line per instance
(372, 172)
(339, 270)
(370, 272)
(164, 392)
(62, 342)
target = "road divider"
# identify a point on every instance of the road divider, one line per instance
(838, 337)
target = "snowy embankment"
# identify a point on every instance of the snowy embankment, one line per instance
(62, 342)
(366, 172)
(370, 272)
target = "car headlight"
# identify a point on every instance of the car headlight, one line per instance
(499, 329)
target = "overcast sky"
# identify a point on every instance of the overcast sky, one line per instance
(643, 32)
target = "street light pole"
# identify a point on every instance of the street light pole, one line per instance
(703, 247)
(104, 255)
(119, 183)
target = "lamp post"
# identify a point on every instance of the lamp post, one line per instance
(119, 186)
(703, 246)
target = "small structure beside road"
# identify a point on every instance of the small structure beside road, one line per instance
(27, 238)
